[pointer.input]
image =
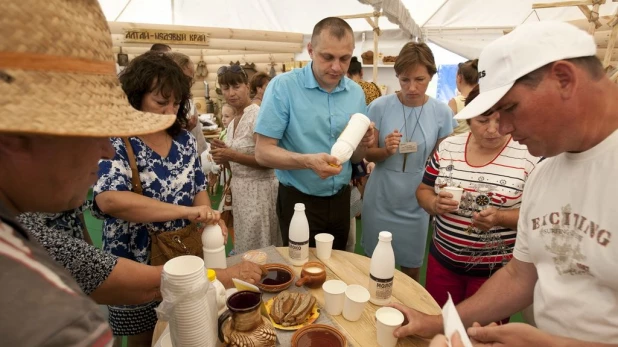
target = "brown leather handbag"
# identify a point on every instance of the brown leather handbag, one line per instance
(169, 244)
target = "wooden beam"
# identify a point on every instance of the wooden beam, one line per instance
(563, 4)
(214, 33)
(586, 11)
(355, 16)
(237, 45)
(610, 45)
(595, 13)
(376, 38)
(371, 22)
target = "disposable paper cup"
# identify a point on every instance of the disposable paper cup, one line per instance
(184, 266)
(334, 296)
(324, 245)
(387, 320)
(356, 298)
(456, 191)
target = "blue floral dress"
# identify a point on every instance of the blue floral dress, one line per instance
(175, 179)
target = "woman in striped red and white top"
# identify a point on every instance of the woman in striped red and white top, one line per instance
(474, 239)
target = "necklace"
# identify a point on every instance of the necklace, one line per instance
(405, 125)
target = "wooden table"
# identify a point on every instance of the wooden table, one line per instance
(354, 269)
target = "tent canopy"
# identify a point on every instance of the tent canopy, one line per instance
(461, 26)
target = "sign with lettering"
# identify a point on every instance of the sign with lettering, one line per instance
(166, 36)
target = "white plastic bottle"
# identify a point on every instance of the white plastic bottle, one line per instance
(350, 137)
(213, 247)
(382, 270)
(220, 290)
(298, 247)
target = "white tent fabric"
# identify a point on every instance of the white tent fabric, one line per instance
(273, 15)
(397, 13)
(461, 26)
(466, 26)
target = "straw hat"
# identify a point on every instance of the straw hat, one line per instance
(58, 76)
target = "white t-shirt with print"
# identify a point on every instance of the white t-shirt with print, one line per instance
(567, 227)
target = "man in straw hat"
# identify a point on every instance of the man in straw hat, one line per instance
(553, 96)
(59, 104)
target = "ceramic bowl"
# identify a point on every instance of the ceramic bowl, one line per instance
(313, 275)
(279, 278)
(318, 335)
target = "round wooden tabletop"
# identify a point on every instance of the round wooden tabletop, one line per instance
(354, 269)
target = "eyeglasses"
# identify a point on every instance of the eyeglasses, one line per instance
(232, 68)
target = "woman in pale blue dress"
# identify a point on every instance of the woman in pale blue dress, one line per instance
(409, 126)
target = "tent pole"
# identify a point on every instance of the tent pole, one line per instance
(376, 37)
(121, 12)
(612, 40)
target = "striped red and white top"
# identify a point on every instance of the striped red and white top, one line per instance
(499, 183)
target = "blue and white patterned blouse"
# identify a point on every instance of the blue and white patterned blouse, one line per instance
(175, 179)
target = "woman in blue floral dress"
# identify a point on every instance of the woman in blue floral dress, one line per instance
(174, 186)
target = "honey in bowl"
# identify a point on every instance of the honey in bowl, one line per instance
(276, 277)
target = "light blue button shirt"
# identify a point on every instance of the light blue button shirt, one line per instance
(306, 119)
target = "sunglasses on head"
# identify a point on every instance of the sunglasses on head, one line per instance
(232, 68)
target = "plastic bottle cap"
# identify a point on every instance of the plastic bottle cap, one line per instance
(212, 275)
(299, 206)
(385, 236)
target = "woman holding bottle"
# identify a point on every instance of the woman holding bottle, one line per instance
(408, 125)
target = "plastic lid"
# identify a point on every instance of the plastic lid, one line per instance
(385, 236)
(299, 206)
(212, 275)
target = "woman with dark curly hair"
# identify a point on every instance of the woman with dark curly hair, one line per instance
(258, 85)
(174, 186)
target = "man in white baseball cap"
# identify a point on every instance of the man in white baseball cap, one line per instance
(552, 95)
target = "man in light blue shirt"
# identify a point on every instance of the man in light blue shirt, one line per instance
(302, 115)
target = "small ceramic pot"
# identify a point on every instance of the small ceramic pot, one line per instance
(313, 275)
(278, 278)
(318, 335)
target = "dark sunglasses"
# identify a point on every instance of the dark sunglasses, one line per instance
(232, 68)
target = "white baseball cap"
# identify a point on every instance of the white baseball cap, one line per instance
(525, 49)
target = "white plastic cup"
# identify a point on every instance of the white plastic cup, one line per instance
(185, 266)
(356, 298)
(334, 296)
(387, 320)
(457, 193)
(324, 245)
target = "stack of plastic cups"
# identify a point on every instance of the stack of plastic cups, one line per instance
(185, 284)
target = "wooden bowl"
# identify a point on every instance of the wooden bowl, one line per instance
(318, 335)
(279, 278)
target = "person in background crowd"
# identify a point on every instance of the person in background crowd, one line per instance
(174, 186)
(409, 126)
(254, 187)
(554, 98)
(473, 239)
(160, 47)
(258, 84)
(355, 73)
(298, 125)
(193, 123)
(228, 114)
(467, 78)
